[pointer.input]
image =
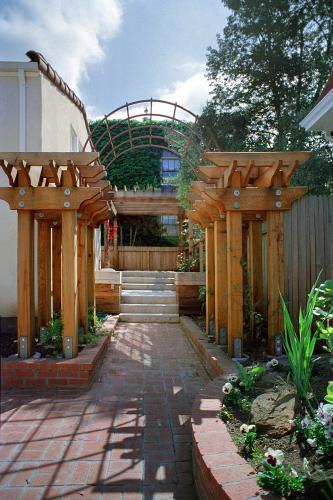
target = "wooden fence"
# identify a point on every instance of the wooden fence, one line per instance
(308, 248)
(147, 258)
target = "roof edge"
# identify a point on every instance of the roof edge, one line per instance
(56, 79)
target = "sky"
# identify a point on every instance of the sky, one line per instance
(115, 51)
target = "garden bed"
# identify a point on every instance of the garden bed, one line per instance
(57, 372)
(317, 467)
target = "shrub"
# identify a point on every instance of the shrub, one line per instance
(300, 347)
(52, 336)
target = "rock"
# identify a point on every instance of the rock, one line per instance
(269, 380)
(37, 355)
(272, 411)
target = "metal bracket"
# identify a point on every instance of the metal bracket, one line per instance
(23, 347)
(68, 347)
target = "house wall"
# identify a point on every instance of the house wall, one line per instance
(49, 120)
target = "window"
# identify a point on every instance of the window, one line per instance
(170, 167)
(74, 141)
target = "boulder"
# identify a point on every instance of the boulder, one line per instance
(271, 412)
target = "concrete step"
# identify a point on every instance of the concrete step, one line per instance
(148, 279)
(149, 308)
(148, 286)
(156, 274)
(148, 297)
(148, 318)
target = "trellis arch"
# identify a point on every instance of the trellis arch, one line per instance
(190, 143)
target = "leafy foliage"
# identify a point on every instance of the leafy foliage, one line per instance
(185, 264)
(281, 479)
(248, 378)
(300, 347)
(267, 71)
(52, 335)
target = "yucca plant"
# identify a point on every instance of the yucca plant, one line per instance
(299, 346)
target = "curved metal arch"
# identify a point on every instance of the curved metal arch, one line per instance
(151, 128)
(197, 135)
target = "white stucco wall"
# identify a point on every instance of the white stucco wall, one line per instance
(49, 118)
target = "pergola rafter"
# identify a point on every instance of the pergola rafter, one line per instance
(64, 193)
(230, 201)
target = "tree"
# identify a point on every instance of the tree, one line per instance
(267, 72)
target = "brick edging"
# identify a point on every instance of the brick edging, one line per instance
(78, 373)
(220, 473)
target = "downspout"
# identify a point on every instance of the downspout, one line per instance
(22, 110)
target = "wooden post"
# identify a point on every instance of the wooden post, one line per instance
(69, 296)
(91, 269)
(44, 272)
(25, 283)
(180, 232)
(275, 275)
(221, 294)
(82, 275)
(235, 278)
(255, 269)
(210, 277)
(190, 238)
(56, 269)
(201, 256)
(115, 262)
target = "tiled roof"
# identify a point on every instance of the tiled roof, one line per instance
(53, 76)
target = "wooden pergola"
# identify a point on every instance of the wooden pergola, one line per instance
(144, 202)
(66, 193)
(231, 200)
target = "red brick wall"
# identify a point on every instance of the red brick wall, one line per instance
(70, 373)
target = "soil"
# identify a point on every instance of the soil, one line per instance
(293, 450)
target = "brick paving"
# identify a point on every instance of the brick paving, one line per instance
(126, 438)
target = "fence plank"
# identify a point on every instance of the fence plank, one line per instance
(308, 244)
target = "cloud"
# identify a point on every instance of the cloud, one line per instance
(69, 33)
(192, 93)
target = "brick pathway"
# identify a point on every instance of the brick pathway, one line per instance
(127, 438)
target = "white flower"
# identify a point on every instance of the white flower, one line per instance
(292, 472)
(272, 363)
(232, 378)
(227, 388)
(328, 409)
(312, 442)
(247, 428)
(274, 457)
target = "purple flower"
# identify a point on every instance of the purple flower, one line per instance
(305, 423)
(321, 411)
(329, 432)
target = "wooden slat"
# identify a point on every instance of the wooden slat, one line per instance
(44, 158)
(91, 268)
(210, 277)
(235, 278)
(82, 275)
(44, 272)
(221, 284)
(69, 296)
(275, 277)
(223, 159)
(56, 268)
(25, 280)
(255, 269)
(266, 177)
